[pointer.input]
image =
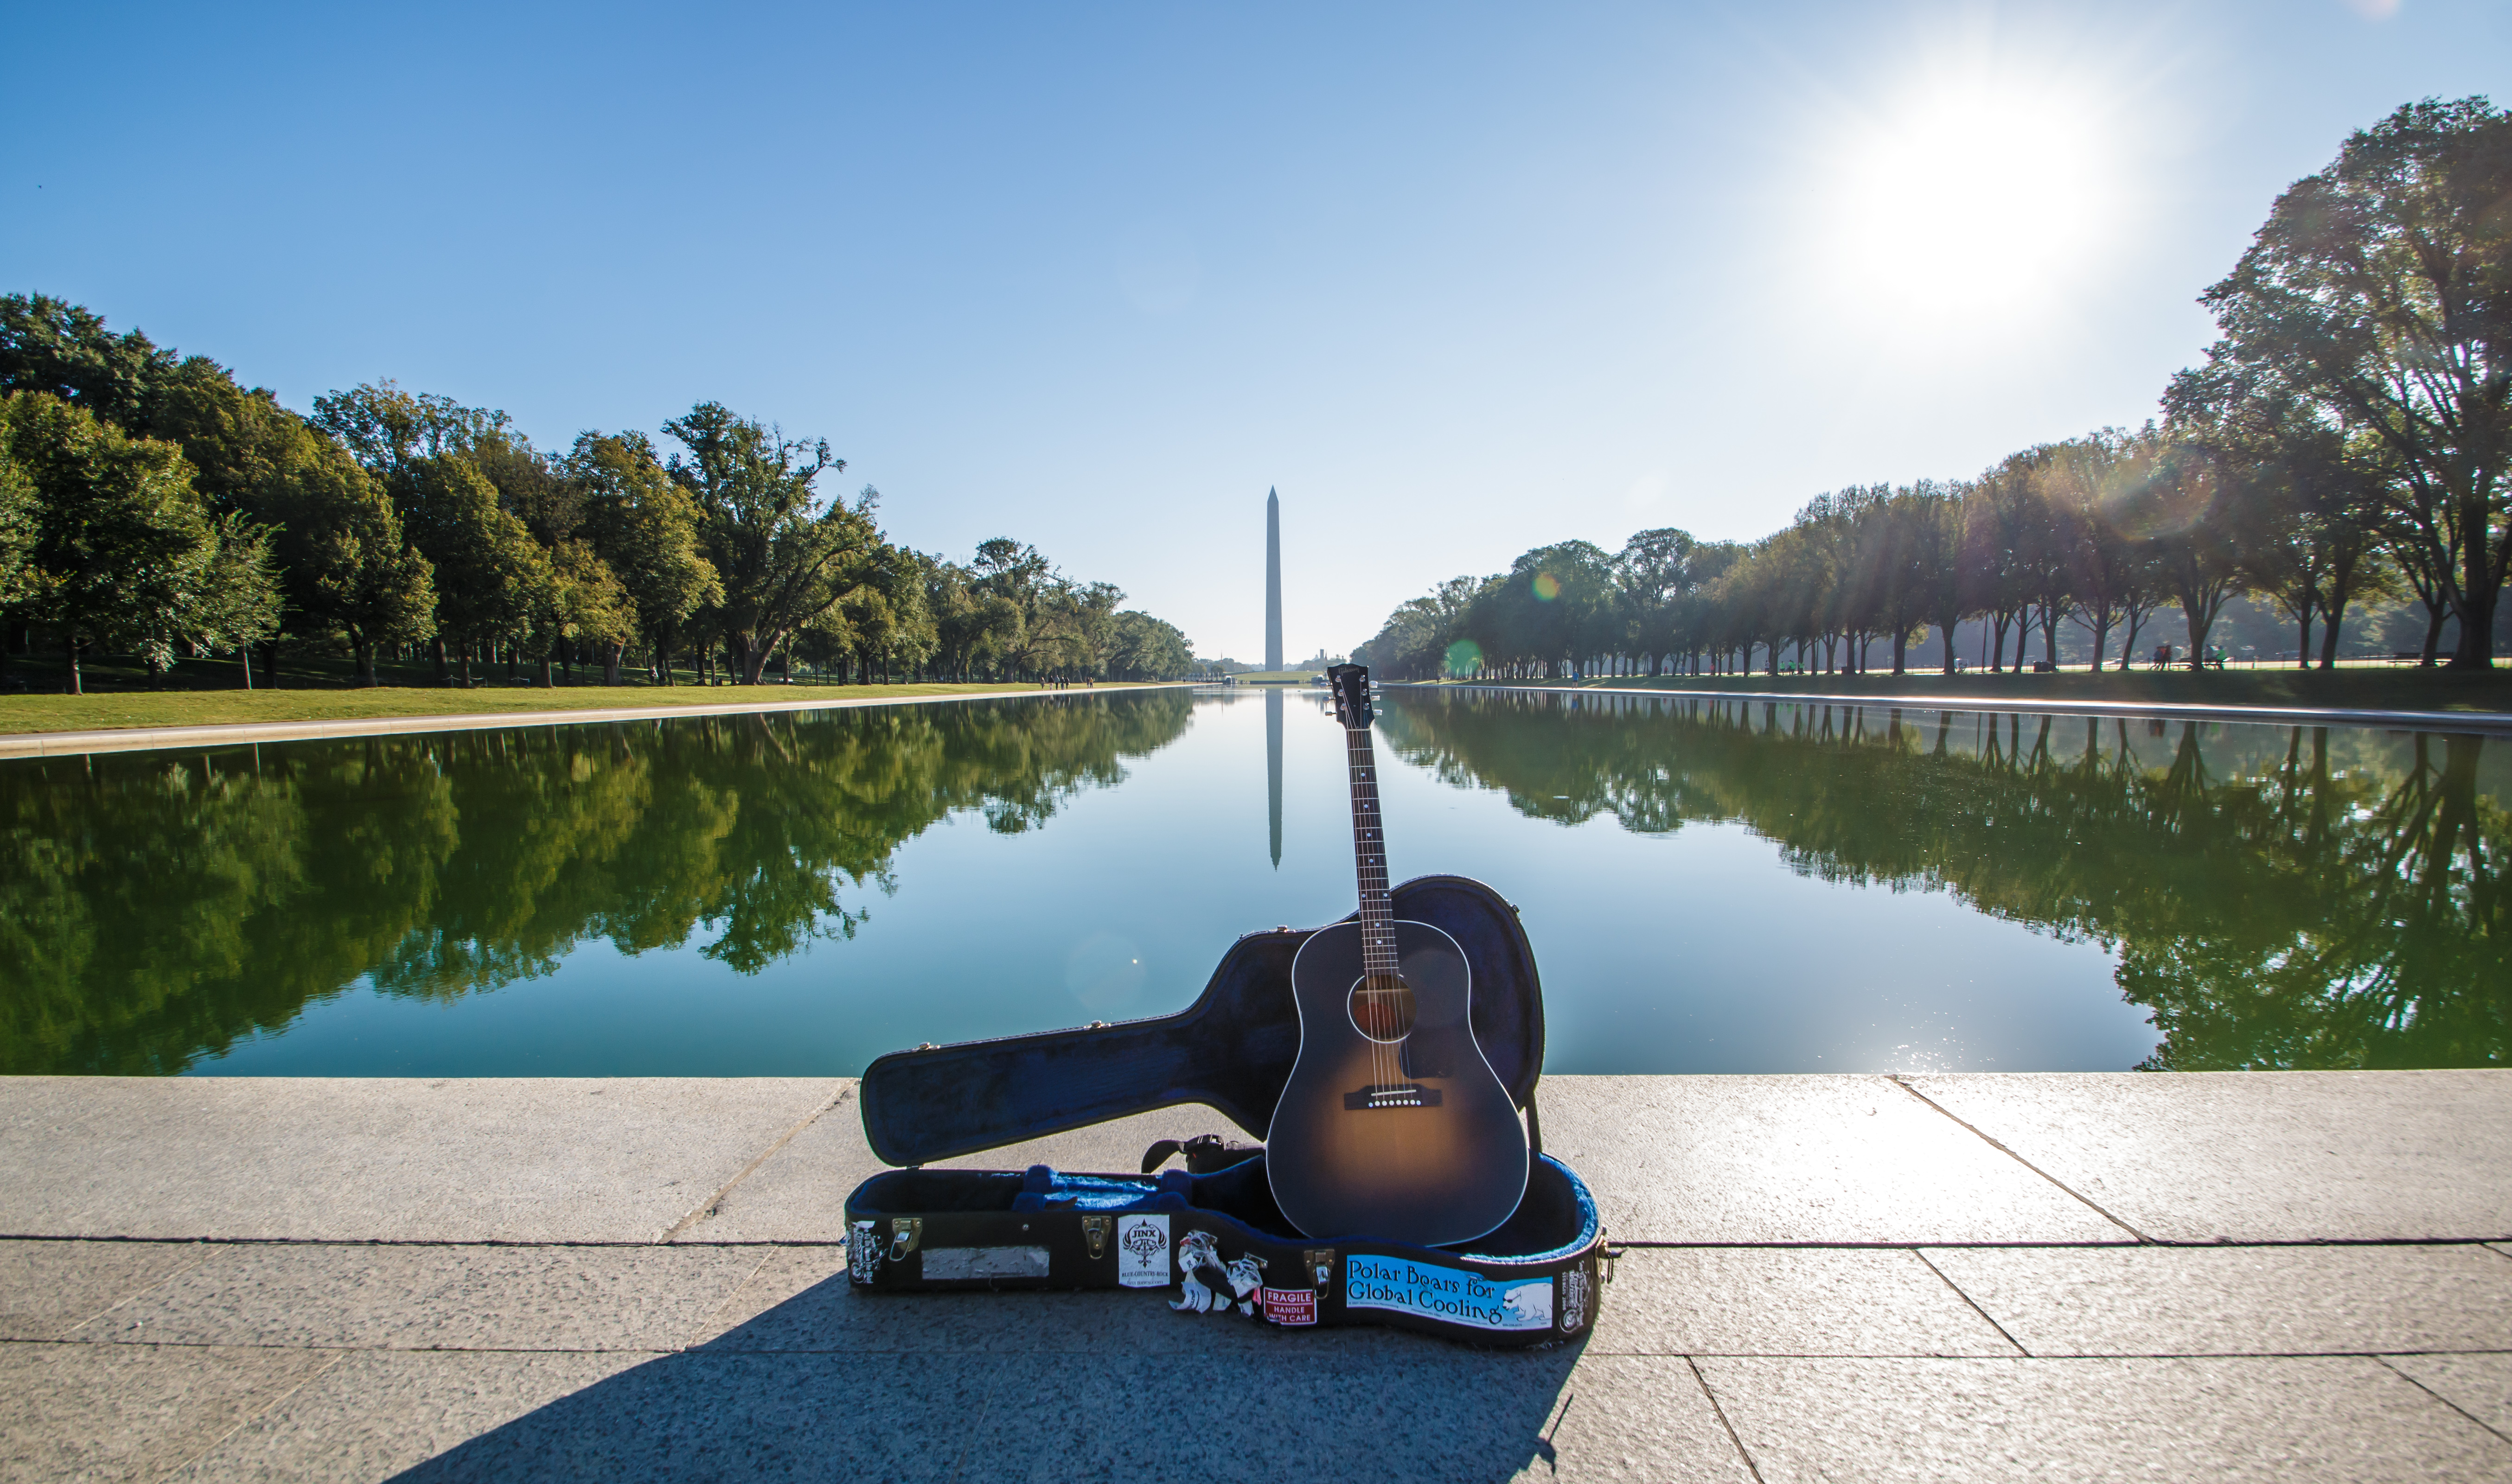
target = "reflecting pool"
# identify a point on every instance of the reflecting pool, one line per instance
(1729, 885)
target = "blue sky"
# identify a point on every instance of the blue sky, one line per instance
(1457, 280)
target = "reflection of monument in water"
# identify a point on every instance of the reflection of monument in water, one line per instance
(1273, 661)
(1273, 769)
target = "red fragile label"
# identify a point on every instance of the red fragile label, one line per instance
(1290, 1305)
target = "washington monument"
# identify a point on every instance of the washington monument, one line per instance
(1272, 581)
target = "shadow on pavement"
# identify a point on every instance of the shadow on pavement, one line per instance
(1053, 1387)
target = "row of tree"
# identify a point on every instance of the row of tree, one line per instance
(2347, 440)
(152, 505)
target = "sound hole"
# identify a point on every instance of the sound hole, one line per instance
(1382, 1007)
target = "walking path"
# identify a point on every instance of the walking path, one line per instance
(2491, 722)
(2287, 1277)
(127, 739)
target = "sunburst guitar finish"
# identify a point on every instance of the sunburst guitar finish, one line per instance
(1413, 1140)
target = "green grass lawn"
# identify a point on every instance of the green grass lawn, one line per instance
(117, 699)
(2368, 688)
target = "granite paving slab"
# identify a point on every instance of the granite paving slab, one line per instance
(2242, 1156)
(2239, 1300)
(2480, 1385)
(2347, 1419)
(1776, 1301)
(1813, 1160)
(437, 1297)
(48, 1289)
(484, 1416)
(1440, 1412)
(611, 1159)
(132, 1412)
(378, 1413)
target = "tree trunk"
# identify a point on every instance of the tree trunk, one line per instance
(244, 653)
(2476, 624)
(546, 681)
(2435, 613)
(438, 643)
(1997, 643)
(1901, 643)
(2329, 635)
(71, 646)
(610, 664)
(2303, 653)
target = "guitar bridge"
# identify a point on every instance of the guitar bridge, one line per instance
(1402, 1095)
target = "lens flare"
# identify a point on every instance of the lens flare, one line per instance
(1465, 657)
(1547, 587)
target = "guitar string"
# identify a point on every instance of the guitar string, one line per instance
(1367, 997)
(1382, 999)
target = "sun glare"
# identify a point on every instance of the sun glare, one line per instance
(1968, 204)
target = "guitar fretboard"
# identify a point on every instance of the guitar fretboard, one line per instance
(1370, 856)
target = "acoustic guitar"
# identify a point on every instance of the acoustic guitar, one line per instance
(1393, 1125)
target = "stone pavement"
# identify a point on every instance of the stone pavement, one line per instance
(2301, 1276)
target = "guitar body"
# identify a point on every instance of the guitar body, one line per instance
(1409, 1139)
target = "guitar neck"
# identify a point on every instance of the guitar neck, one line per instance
(1370, 856)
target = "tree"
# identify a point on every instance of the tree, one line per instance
(2382, 288)
(63, 350)
(492, 579)
(2188, 527)
(387, 429)
(1147, 648)
(124, 553)
(1652, 576)
(644, 528)
(779, 548)
(344, 562)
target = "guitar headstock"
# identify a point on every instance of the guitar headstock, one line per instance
(1350, 687)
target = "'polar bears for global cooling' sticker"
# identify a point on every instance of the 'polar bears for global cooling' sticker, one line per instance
(1143, 1251)
(1445, 1293)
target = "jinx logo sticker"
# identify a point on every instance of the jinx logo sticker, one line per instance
(1445, 1293)
(1143, 1251)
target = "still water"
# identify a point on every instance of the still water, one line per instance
(1709, 886)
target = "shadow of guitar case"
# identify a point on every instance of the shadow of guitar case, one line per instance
(1209, 1233)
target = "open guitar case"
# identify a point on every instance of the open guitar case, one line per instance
(1211, 1230)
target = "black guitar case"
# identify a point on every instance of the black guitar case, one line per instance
(1211, 1230)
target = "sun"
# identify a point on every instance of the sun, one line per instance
(1968, 202)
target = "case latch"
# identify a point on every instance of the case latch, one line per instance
(905, 1231)
(1094, 1230)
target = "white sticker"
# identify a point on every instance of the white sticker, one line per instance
(1445, 1293)
(1574, 1300)
(863, 1253)
(1143, 1251)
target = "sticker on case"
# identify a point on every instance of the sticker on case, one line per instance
(1143, 1251)
(1208, 1285)
(863, 1253)
(1290, 1305)
(1574, 1300)
(1452, 1294)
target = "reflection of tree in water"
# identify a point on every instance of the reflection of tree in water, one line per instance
(2284, 908)
(155, 909)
